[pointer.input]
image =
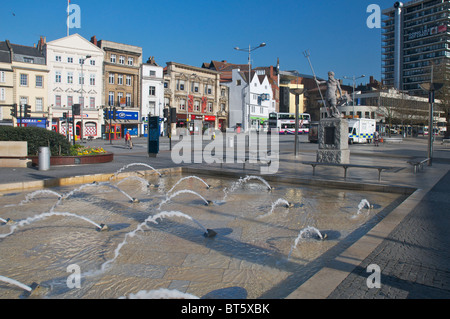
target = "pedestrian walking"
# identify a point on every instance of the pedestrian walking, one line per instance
(376, 138)
(128, 141)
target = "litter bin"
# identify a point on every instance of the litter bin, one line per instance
(44, 158)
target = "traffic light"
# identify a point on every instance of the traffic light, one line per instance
(106, 113)
(14, 110)
(173, 115)
(65, 115)
(27, 111)
(76, 109)
(114, 113)
(166, 113)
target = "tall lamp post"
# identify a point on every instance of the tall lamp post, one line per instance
(82, 98)
(247, 114)
(354, 87)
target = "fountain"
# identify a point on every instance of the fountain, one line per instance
(252, 247)
(30, 220)
(241, 182)
(184, 191)
(306, 231)
(134, 164)
(275, 204)
(189, 177)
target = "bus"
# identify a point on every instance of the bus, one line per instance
(285, 123)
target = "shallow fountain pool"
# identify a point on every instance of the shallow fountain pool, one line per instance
(203, 236)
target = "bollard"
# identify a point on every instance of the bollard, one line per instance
(231, 142)
(44, 158)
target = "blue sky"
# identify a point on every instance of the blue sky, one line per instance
(197, 31)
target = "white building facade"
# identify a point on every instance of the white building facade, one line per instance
(250, 113)
(76, 77)
(152, 90)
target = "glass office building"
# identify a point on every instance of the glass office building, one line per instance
(415, 36)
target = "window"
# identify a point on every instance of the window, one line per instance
(58, 77)
(196, 106)
(113, 58)
(2, 77)
(128, 80)
(80, 79)
(120, 80)
(69, 101)
(92, 62)
(69, 60)
(120, 98)
(92, 79)
(182, 104)
(166, 85)
(39, 104)
(195, 87)
(24, 80)
(58, 100)
(130, 61)
(238, 82)
(152, 91)
(23, 100)
(111, 78)
(152, 73)
(210, 107)
(58, 58)
(39, 81)
(128, 99)
(208, 88)
(28, 60)
(180, 85)
(2, 94)
(111, 99)
(70, 78)
(92, 102)
(121, 59)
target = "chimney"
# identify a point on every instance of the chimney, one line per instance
(94, 40)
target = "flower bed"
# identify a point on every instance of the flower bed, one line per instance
(79, 155)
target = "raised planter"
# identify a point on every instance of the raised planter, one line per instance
(75, 160)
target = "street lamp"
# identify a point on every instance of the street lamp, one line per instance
(82, 98)
(249, 50)
(354, 85)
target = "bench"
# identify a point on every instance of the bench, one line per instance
(389, 140)
(13, 154)
(418, 164)
(262, 160)
(347, 166)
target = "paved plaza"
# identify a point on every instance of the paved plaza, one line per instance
(409, 246)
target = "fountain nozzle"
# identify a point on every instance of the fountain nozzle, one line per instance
(135, 200)
(210, 233)
(37, 291)
(289, 205)
(9, 221)
(103, 227)
(209, 203)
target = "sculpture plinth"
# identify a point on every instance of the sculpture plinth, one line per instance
(333, 141)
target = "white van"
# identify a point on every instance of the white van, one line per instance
(361, 130)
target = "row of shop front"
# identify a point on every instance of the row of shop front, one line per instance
(95, 126)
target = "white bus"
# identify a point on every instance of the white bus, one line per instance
(285, 123)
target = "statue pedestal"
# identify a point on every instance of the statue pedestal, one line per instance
(333, 141)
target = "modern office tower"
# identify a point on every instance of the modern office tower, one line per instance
(415, 41)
